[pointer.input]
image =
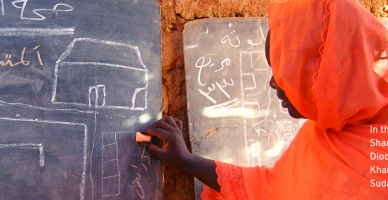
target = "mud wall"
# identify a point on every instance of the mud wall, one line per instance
(175, 13)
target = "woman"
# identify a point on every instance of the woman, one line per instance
(329, 63)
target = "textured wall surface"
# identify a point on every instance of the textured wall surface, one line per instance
(175, 13)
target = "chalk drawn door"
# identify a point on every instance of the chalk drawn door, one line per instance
(97, 95)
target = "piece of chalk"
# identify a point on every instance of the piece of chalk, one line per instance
(142, 138)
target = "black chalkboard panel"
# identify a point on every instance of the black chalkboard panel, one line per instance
(234, 115)
(77, 80)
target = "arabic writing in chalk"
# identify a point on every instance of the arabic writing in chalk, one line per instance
(8, 57)
(39, 12)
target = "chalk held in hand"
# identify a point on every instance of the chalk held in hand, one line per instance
(140, 137)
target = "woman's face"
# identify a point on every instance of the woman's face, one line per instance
(281, 94)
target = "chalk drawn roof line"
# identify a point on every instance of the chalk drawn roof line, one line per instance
(70, 47)
(104, 64)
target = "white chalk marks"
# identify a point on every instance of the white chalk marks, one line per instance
(112, 185)
(50, 143)
(95, 95)
(39, 147)
(145, 162)
(90, 77)
(40, 12)
(254, 75)
(64, 90)
(228, 82)
(110, 165)
(79, 60)
(261, 40)
(32, 32)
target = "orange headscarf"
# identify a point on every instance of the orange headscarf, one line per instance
(329, 56)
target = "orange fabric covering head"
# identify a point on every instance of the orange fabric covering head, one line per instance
(329, 56)
(330, 59)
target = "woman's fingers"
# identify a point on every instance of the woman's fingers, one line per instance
(170, 120)
(156, 151)
(179, 123)
(167, 126)
(173, 122)
(159, 132)
(157, 124)
(167, 123)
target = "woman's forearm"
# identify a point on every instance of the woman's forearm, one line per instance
(204, 170)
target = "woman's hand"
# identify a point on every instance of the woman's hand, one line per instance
(174, 152)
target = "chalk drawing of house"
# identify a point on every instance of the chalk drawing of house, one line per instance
(101, 74)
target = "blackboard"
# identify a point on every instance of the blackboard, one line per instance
(77, 80)
(234, 116)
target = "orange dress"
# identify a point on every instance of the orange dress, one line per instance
(329, 56)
